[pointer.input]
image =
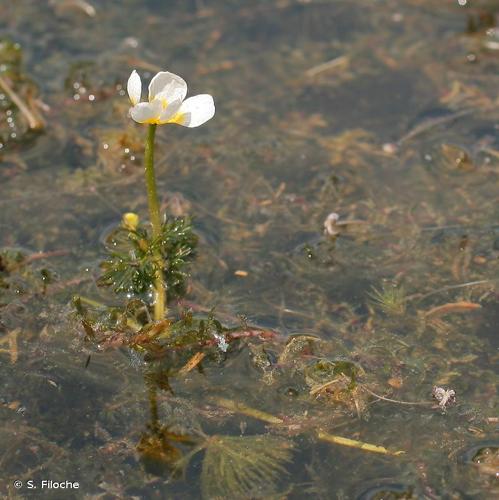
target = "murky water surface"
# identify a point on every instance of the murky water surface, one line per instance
(383, 112)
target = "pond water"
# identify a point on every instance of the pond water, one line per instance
(382, 112)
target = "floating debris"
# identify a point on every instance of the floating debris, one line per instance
(445, 397)
(454, 307)
(221, 341)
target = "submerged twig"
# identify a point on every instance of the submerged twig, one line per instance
(397, 401)
(429, 124)
(229, 404)
(192, 363)
(323, 436)
(453, 307)
(33, 122)
(46, 255)
(449, 287)
(353, 443)
(326, 66)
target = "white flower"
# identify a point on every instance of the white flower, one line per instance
(166, 102)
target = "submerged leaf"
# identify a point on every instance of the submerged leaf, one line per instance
(131, 266)
(243, 467)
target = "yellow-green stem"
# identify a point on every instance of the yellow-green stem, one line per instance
(154, 214)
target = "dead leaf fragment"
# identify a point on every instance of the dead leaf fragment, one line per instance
(11, 340)
(452, 307)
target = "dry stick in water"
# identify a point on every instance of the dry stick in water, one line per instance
(326, 66)
(33, 122)
(397, 401)
(420, 297)
(192, 363)
(432, 123)
(323, 436)
(453, 307)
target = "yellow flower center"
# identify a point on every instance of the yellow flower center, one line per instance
(177, 118)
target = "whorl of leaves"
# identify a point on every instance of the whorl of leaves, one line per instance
(390, 299)
(131, 266)
(243, 467)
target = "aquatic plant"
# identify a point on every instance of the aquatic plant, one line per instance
(391, 299)
(243, 467)
(161, 257)
(132, 268)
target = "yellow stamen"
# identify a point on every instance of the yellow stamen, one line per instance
(177, 118)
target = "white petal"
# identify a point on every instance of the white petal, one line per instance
(195, 111)
(170, 111)
(170, 86)
(146, 112)
(134, 87)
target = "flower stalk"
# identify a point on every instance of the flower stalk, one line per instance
(154, 215)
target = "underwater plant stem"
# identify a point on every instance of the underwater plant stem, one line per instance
(153, 406)
(152, 198)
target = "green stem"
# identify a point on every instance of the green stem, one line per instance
(154, 214)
